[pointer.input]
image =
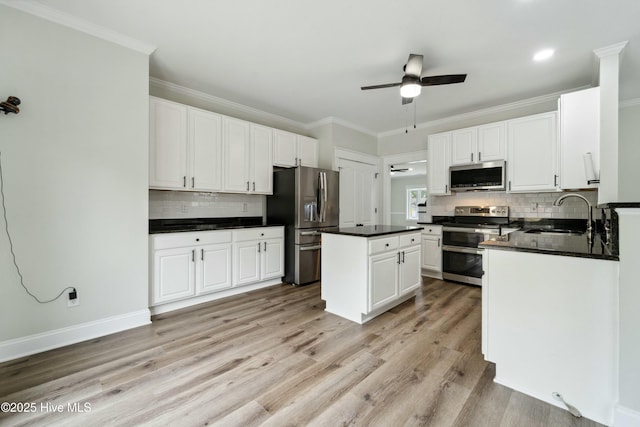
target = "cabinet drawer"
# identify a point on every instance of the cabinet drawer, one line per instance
(257, 233)
(435, 230)
(383, 244)
(196, 238)
(409, 239)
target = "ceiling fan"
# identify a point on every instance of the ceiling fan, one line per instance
(400, 169)
(412, 83)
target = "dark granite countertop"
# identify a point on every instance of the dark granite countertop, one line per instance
(373, 230)
(564, 245)
(180, 225)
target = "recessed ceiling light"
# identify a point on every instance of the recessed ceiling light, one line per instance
(543, 54)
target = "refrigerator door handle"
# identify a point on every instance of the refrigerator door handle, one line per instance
(325, 194)
(320, 205)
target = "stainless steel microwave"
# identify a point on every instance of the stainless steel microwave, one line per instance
(489, 176)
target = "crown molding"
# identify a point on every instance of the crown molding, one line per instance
(154, 81)
(54, 15)
(485, 111)
(613, 49)
(337, 121)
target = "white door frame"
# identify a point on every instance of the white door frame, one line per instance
(387, 161)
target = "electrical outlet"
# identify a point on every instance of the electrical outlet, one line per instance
(244, 207)
(185, 208)
(534, 207)
(73, 299)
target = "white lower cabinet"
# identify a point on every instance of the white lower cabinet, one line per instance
(188, 265)
(362, 277)
(258, 254)
(431, 262)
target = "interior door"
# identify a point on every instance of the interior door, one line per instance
(358, 193)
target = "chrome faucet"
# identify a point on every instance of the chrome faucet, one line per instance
(560, 199)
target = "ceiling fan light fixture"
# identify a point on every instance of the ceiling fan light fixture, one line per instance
(410, 87)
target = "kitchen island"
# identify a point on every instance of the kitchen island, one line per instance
(549, 317)
(367, 270)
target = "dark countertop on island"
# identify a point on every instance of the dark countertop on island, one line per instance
(372, 230)
(568, 245)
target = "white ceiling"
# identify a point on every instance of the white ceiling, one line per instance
(306, 59)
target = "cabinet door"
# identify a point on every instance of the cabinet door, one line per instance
(431, 253)
(579, 134)
(261, 166)
(366, 211)
(383, 279)
(284, 148)
(438, 162)
(347, 197)
(464, 146)
(272, 263)
(205, 141)
(173, 275)
(491, 142)
(167, 144)
(532, 153)
(246, 262)
(214, 268)
(307, 151)
(236, 145)
(410, 278)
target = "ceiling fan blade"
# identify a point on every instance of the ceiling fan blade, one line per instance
(442, 80)
(414, 65)
(380, 86)
(407, 101)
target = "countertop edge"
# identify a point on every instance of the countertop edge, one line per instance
(498, 246)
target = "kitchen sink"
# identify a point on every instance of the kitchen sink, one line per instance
(555, 232)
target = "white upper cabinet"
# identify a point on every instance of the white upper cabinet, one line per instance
(260, 161)
(290, 150)
(236, 155)
(464, 146)
(478, 144)
(247, 157)
(168, 160)
(205, 143)
(438, 162)
(532, 149)
(492, 143)
(579, 135)
(185, 147)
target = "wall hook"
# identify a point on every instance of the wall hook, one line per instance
(10, 105)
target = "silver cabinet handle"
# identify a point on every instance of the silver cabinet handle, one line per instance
(247, 185)
(265, 246)
(193, 182)
(438, 242)
(403, 257)
(479, 156)
(555, 180)
(398, 258)
(446, 188)
(509, 185)
(471, 157)
(254, 186)
(258, 247)
(201, 254)
(184, 181)
(193, 255)
(296, 162)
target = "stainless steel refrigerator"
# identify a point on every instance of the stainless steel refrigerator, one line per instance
(305, 200)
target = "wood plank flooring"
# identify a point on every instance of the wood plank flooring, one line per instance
(273, 357)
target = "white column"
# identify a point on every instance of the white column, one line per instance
(609, 83)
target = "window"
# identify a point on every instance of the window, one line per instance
(415, 196)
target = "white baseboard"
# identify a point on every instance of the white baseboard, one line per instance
(625, 417)
(37, 343)
(176, 305)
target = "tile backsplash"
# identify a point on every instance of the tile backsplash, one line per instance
(185, 204)
(525, 205)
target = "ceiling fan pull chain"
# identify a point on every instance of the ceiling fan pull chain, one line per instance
(414, 115)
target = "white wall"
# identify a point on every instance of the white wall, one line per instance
(629, 154)
(75, 163)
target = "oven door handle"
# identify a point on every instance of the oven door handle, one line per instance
(472, 230)
(461, 250)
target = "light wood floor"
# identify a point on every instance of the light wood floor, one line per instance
(273, 357)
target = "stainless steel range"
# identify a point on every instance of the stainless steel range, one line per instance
(471, 225)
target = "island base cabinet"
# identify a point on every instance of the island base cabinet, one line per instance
(550, 325)
(364, 277)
